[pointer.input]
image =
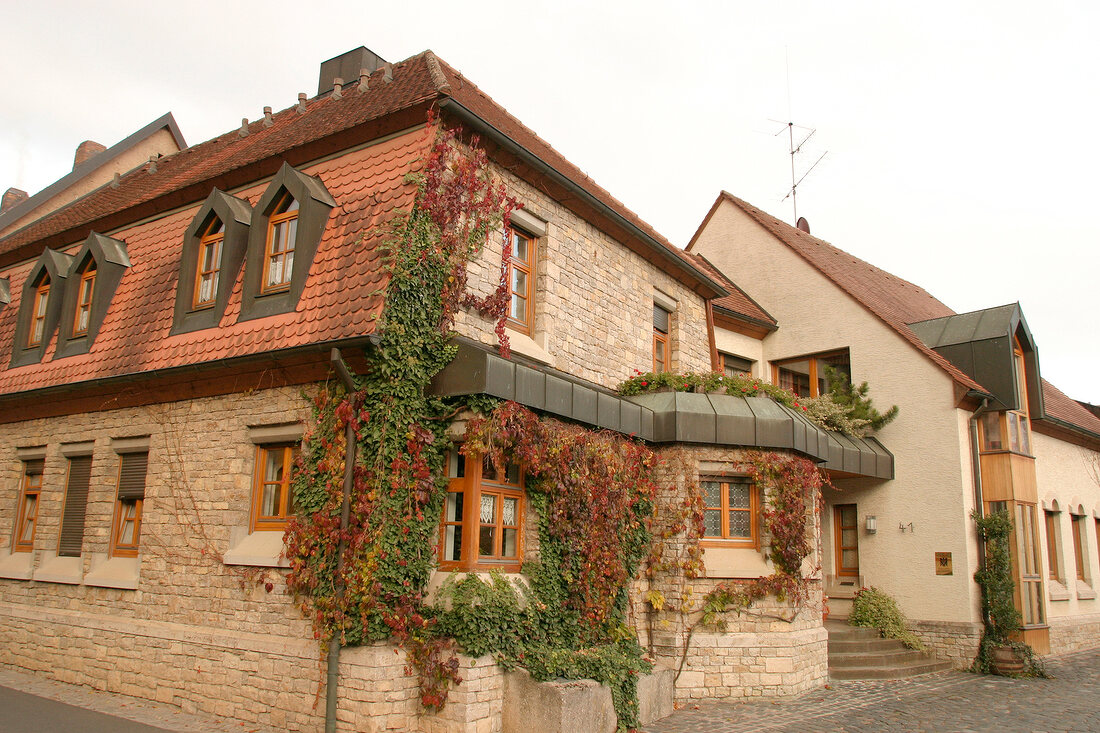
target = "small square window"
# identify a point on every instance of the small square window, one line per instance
(272, 498)
(731, 511)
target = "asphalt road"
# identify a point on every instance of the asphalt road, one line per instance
(21, 712)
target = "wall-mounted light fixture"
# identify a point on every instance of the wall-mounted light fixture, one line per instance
(871, 523)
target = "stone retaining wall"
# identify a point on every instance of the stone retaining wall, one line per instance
(1074, 633)
(955, 642)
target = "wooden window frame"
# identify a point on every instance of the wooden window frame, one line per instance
(122, 516)
(725, 540)
(527, 267)
(30, 488)
(281, 215)
(1077, 529)
(839, 546)
(722, 356)
(1050, 522)
(84, 293)
(277, 521)
(472, 485)
(128, 509)
(661, 343)
(39, 308)
(812, 376)
(213, 236)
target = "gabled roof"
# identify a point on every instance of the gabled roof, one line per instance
(738, 303)
(95, 162)
(151, 208)
(325, 126)
(894, 301)
(899, 303)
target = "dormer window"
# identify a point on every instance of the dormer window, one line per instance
(213, 249)
(209, 264)
(282, 231)
(41, 305)
(84, 299)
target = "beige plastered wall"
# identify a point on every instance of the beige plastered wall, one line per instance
(160, 142)
(593, 300)
(1065, 480)
(933, 488)
(748, 347)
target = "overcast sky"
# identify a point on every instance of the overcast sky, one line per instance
(960, 136)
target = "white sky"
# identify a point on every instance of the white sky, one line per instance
(961, 154)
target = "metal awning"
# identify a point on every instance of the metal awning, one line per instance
(664, 417)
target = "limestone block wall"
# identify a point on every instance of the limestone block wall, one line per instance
(772, 648)
(1074, 633)
(953, 642)
(593, 300)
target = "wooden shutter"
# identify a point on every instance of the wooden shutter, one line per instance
(131, 476)
(76, 503)
(34, 467)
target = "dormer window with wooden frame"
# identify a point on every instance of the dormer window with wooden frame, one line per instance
(282, 230)
(97, 270)
(807, 376)
(483, 516)
(288, 223)
(521, 280)
(213, 249)
(1010, 430)
(40, 307)
(84, 293)
(208, 265)
(37, 331)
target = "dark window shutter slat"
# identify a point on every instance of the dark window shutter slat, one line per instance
(76, 503)
(131, 475)
(660, 318)
(34, 467)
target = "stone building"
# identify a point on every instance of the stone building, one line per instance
(161, 337)
(978, 428)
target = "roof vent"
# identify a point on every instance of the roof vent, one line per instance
(12, 197)
(87, 149)
(347, 66)
(803, 224)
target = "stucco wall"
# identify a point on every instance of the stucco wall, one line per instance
(932, 488)
(1065, 480)
(593, 300)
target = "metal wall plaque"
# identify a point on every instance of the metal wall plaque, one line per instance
(943, 563)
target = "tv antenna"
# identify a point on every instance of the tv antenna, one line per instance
(789, 128)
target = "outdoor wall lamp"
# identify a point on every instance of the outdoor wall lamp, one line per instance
(871, 523)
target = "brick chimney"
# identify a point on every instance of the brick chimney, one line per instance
(12, 197)
(86, 150)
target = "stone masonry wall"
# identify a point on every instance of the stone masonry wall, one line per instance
(769, 649)
(593, 299)
(196, 632)
(1074, 633)
(953, 642)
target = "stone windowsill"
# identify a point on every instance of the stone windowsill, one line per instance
(54, 569)
(16, 565)
(524, 345)
(735, 562)
(255, 549)
(114, 572)
(1057, 592)
(1084, 591)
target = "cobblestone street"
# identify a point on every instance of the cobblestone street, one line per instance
(952, 701)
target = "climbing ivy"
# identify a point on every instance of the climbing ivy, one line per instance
(400, 431)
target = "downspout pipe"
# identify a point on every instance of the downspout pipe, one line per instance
(332, 687)
(975, 461)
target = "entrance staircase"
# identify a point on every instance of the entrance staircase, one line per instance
(857, 653)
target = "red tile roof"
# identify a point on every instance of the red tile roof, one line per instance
(897, 303)
(738, 301)
(894, 301)
(342, 299)
(344, 292)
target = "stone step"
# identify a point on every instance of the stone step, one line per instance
(891, 672)
(877, 658)
(847, 646)
(845, 632)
